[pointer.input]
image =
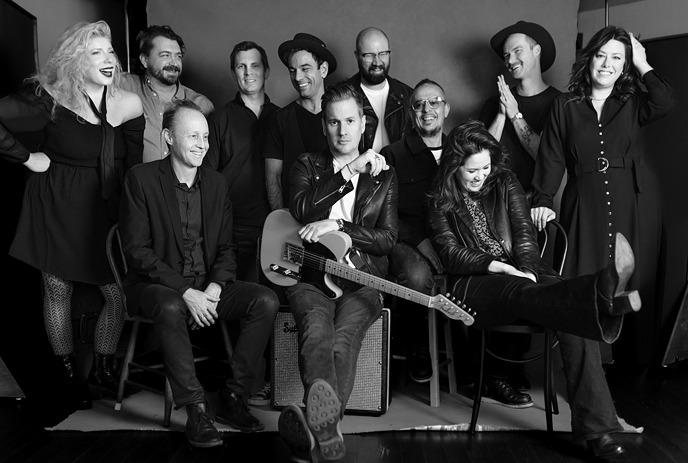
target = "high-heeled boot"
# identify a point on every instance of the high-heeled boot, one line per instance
(78, 395)
(613, 298)
(103, 373)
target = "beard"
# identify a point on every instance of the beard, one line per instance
(373, 78)
(428, 133)
(168, 80)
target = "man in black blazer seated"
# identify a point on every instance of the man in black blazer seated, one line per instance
(176, 225)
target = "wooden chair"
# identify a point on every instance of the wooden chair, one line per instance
(551, 405)
(118, 264)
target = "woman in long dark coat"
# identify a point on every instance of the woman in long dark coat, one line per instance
(593, 135)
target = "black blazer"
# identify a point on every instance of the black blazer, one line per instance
(150, 226)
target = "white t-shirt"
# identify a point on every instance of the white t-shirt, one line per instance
(378, 100)
(344, 208)
(437, 154)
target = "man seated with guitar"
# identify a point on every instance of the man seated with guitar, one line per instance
(337, 189)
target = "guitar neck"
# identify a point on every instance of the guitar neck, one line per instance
(357, 276)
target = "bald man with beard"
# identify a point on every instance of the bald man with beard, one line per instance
(384, 98)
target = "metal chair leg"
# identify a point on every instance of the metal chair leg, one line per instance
(548, 380)
(434, 359)
(449, 349)
(478, 395)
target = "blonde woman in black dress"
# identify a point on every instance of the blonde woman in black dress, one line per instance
(92, 131)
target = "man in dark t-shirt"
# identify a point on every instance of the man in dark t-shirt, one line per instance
(297, 128)
(517, 115)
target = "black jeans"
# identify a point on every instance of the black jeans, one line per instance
(412, 270)
(255, 306)
(331, 332)
(570, 307)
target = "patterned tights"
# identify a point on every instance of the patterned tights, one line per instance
(57, 311)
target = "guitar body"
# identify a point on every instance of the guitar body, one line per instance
(286, 260)
(281, 228)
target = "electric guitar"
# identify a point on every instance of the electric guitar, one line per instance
(286, 260)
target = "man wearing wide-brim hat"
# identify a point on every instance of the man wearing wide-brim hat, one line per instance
(516, 116)
(297, 128)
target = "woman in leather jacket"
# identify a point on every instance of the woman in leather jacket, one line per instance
(482, 231)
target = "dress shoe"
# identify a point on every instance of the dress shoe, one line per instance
(519, 381)
(200, 430)
(103, 373)
(420, 366)
(323, 412)
(613, 297)
(78, 396)
(497, 390)
(234, 412)
(606, 449)
(294, 430)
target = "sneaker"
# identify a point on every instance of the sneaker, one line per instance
(234, 412)
(499, 391)
(261, 397)
(294, 430)
(323, 412)
(420, 366)
(200, 430)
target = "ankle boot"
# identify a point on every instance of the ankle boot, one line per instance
(613, 298)
(103, 373)
(78, 396)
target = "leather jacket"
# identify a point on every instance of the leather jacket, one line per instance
(397, 118)
(508, 217)
(314, 188)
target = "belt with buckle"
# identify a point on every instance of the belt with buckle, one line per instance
(601, 164)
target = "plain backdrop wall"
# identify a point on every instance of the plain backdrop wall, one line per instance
(54, 16)
(649, 18)
(446, 40)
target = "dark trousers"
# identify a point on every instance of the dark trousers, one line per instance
(253, 305)
(412, 270)
(569, 307)
(246, 241)
(331, 332)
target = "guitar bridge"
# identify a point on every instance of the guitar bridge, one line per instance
(285, 272)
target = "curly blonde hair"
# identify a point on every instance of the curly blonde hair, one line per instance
(65, 70)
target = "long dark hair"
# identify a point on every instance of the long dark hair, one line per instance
(627, 83)
(464, 141)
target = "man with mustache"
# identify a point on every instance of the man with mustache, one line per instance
(296, 128)
(516, 117)
(161, 52)
(413, 260)
(384, 98)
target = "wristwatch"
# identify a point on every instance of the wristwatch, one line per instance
(518, 115)
(340, 224)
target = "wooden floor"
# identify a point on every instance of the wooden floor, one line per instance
(659, 402)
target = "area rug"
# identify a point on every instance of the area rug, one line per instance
(408, 410)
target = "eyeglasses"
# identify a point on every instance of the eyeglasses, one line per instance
(371, 56)
(433, 102)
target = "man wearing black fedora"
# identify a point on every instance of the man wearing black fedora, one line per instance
(516, 116)
(297, 128)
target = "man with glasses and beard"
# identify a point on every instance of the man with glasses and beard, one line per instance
(384, 98)
(413, 260)
(161, 52)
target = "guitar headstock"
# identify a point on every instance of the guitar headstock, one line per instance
(453, 308)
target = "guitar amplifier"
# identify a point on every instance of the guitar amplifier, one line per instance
(370, 394)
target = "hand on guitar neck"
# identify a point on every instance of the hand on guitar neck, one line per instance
(285, 261)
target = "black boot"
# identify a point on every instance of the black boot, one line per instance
(612, 296)
(78, 396)
(103, 373)
(200, 430)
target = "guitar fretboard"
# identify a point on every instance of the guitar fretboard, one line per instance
(333, 267)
